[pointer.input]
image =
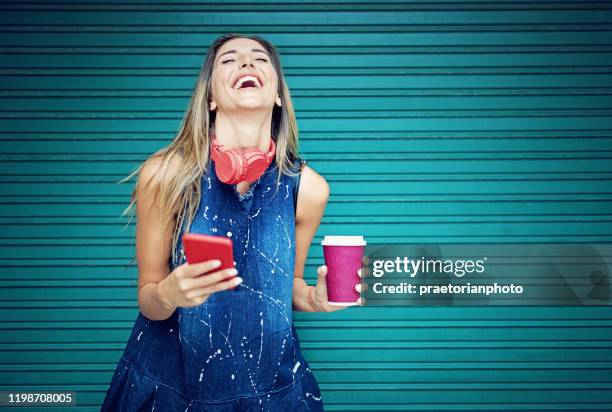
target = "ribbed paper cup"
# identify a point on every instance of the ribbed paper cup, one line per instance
(343, 258)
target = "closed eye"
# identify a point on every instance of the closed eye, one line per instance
(231, 60)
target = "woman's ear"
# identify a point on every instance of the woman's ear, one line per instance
(278, 101)
(212, 106)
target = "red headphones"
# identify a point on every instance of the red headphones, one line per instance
(237, 165)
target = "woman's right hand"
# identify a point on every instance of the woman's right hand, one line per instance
(184, 287)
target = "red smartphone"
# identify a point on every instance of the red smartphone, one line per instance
(200, 248)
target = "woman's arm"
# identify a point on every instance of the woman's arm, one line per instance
(153, 248)
(312, 199)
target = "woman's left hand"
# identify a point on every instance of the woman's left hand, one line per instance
(318, 294)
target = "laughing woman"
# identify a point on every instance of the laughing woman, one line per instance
(232, 170)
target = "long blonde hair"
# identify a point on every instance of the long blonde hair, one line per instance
(178, 191)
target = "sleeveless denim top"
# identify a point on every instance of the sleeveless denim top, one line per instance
(238, 343)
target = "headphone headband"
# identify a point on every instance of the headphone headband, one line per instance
(240, 164)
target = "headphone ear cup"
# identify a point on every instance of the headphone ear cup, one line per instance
(241, 166)
(227, 167)
(256, 164)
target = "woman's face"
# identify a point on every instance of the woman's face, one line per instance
(235, 59)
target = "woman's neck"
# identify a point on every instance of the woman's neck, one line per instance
(243, 187)
(250, 130)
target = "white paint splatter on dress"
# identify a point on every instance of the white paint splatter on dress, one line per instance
(272, 263)
(276, 249)
(155, 399)
(190, 345)
(295, 367)
(209, 323)
(246, 245)
(280, 219)
(278, 362)
(231, 316)
(279, 303)
(261, 338)
(229, 345)
(248, 370)
(211, 357)
(312, 396)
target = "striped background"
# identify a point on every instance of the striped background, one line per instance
(455, 121)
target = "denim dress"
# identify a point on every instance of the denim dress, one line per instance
(239, 350)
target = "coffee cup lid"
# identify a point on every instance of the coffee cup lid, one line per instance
(343, 240)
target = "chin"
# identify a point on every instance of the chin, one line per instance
(254, 105)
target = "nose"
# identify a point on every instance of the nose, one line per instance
(249, 62)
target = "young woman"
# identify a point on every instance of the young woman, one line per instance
(206, 343)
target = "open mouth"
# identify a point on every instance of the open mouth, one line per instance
(247, 82)
(248, 85)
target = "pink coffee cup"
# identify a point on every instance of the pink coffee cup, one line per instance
(343, 258)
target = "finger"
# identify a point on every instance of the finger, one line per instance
(365, 260)
(358, 288)
(211, 278)
(217, 287)
(196, 295)
(361, 301)
(321, 286)
(364, 272)
(197, 269)
(321, 274)
(199, 300)
(359, 273)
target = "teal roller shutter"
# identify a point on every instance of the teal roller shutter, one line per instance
(432, 122)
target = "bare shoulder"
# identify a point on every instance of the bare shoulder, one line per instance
(312, 195)
(152, 171)
(313, 186)
(149, 181)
